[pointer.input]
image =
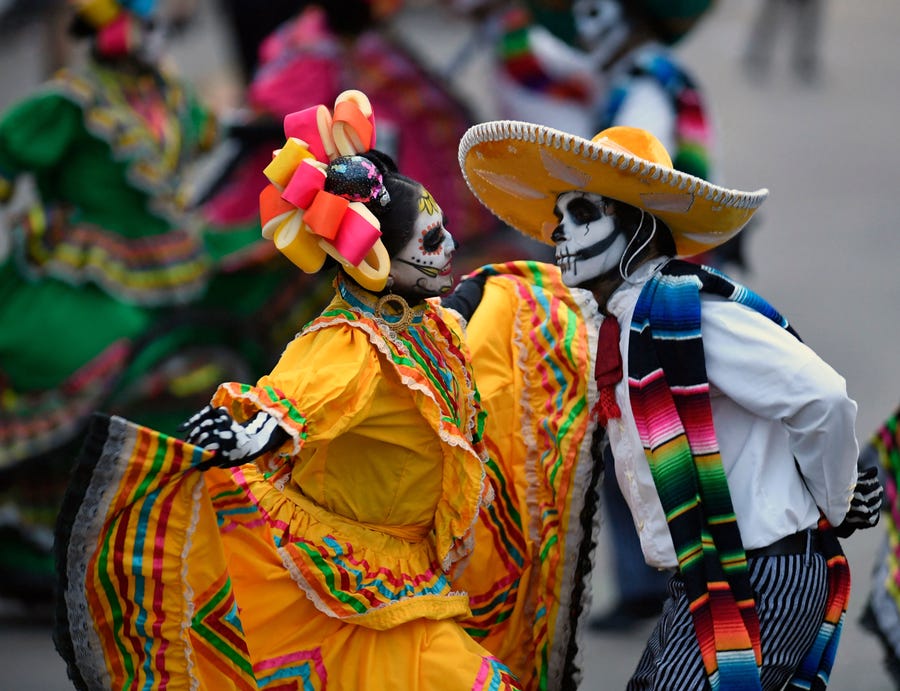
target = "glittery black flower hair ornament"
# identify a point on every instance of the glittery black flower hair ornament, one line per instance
(358, 179)
(315, 204)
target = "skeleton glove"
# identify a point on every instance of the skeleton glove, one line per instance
(233, 442)
(865, 505)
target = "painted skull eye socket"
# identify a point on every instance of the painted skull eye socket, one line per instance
(595, 19)
(433, 239)
(583, 211)
(591, 9)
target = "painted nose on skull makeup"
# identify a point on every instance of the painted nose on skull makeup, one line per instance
(588, 241)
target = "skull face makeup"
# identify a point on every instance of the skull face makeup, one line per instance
(422, 268)
(589, 241)
(602, 28)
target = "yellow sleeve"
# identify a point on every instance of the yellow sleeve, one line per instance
(332, 374)
(322, 386)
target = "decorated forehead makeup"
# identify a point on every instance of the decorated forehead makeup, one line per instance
(431, 234)
(423, 266)
(426, 202)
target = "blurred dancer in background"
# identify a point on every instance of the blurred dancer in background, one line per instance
(585, 65)
(881, 615)
(104, 282)
(315, 55)
(250, 22)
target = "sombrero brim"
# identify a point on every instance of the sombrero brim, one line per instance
(517, 170)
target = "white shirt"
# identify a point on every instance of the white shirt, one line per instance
(773, 400)
(646, 104)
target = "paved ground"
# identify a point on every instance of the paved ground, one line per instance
(825, 251)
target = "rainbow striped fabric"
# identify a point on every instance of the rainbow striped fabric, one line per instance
(524, 65)
(669, 394)
(168, 268)
(124, 538)
(170, 578)
(532, 340)
(882, 611)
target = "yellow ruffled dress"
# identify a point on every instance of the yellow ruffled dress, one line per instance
(327, 564)
(532, 342)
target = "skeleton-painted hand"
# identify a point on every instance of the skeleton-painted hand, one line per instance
(235, 443)
(865, 505)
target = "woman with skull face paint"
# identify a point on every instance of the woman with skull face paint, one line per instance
(734, 442)
(333, 500)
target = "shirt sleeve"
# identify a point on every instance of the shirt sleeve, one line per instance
(330, 376)
(647, 106)
(773, 375)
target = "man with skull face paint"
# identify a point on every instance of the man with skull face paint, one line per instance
(734, 442)
(584, 65)
(338, 494)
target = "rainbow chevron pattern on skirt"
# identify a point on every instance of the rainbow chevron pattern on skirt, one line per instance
(170, 578)
(669, 395)
(123, 539)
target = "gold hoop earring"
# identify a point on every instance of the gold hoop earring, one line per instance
(405, 317)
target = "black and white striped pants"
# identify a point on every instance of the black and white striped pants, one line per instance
(790, 593)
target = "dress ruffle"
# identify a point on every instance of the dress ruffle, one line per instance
(165, 269)
(171, 578)
(348, 570)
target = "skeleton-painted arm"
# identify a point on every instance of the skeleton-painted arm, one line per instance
(235, 443)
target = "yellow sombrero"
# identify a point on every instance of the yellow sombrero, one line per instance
(517, 169)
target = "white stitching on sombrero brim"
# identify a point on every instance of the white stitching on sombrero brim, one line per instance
(502, 130)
